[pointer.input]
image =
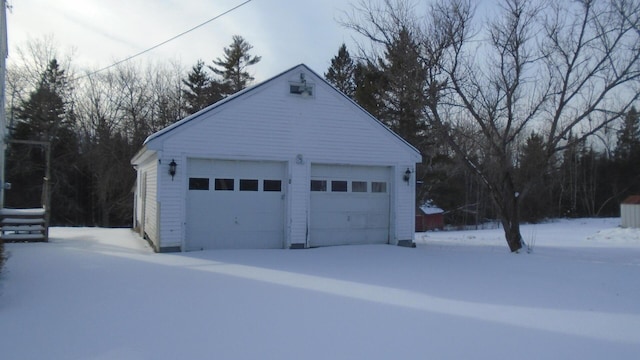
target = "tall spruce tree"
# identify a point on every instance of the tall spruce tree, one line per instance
(233, 66)
(46, 115)
(369, 84)
(42, 116)
(201, 89)
(341, 72)
(629, 136)
(404, 99)
(536, 204)
(627, 156)
(197, 84)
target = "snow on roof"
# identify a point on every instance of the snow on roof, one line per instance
(22, 212)
(430, 209)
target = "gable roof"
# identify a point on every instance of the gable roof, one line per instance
(429, 209)
(248, 90)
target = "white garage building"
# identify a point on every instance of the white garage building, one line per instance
(289, 163)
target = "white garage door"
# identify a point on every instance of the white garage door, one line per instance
(235, 204)
(349, 205)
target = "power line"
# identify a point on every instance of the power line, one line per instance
(164, 42)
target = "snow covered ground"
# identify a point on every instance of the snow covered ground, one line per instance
(103, 294)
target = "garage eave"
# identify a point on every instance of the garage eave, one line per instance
(142, 156)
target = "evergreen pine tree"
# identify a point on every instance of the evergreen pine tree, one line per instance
(42, 116)
(46, 116)
(536, 201)
(629, 136)
(233, 67)
(369, 84)
(627, 157)
(198, 83)
(201, 89)
(404, 99)
(341, 72)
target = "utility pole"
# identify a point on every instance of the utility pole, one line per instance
(4, 51)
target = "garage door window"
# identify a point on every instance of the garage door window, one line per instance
(338, 186)
(378, 187)
(318, 185)
(272, 185)
(359, 186)
(198, 183)
(248, 185)
(224, 184)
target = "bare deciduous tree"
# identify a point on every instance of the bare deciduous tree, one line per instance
(116, 111)
(563, 69)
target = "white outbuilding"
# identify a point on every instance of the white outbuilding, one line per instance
(289, 163)
(630, 212)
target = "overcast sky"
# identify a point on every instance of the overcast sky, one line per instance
(284, 32)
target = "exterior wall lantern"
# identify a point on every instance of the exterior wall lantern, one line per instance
(172, 168)
(407, 175)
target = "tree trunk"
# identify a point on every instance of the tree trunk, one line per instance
(508, 202)
(512, 233)
(511, 220)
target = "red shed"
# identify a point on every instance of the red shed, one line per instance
(429, 217)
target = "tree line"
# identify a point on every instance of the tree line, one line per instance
(507, 109)
(588, 179)
(95, 123)
(522, 115)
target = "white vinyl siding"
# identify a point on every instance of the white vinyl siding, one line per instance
(269, 124)
(403, 218)
(630, 215)
(147, 201)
